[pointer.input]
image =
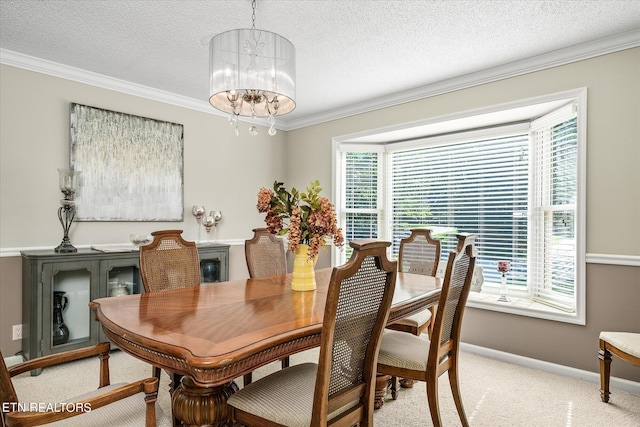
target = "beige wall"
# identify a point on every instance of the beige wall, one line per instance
(10, 303)
(225, 172)
(221, 171)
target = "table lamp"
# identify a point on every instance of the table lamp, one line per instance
(68, 181)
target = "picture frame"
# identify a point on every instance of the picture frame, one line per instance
(132, 167)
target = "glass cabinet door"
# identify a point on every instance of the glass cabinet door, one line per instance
(119, 277)
(122, 277)
(213, 264)
(67, 290)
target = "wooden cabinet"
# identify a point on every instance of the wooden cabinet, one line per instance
(57, 288)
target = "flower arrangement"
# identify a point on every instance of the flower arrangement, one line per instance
(311, 219)
(504, 266)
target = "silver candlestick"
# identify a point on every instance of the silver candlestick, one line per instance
(211, 221)
(198, 211)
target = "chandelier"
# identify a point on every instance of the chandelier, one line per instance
(252, 74)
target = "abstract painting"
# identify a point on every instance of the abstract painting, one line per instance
(131, 166)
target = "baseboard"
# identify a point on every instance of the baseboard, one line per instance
(567, 371)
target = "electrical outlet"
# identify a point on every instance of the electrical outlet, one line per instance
(17, 332)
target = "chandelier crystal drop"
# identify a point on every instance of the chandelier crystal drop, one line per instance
(252, 74)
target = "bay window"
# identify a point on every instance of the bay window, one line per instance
(516, 185)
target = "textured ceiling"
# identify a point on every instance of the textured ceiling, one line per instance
(348, 52)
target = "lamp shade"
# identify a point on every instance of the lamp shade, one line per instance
(252, 73)
(68, 180)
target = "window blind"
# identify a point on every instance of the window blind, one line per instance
(478, 186)
(554, 201)
(362, 196)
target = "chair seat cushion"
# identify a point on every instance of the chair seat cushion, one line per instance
(284, 397)
(403, 350)
(416, 320)
(628, 342)
(126, 412)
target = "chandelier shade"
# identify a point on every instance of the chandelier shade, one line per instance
(252, 73)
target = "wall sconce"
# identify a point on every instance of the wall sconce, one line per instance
(68, 182)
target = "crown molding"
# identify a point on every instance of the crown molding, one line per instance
(556, 58)
(31, 63)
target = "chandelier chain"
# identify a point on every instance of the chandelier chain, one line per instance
(253, 15)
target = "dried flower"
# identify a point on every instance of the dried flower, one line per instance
(311, 218)
(504, 266)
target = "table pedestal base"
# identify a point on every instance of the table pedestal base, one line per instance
(201, 406)
(382, 381)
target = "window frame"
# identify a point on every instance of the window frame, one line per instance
(474, 119)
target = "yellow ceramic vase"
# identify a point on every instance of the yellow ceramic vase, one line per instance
(304, 276)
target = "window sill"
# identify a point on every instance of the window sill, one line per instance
(520, 306)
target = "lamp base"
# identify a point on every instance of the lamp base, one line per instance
(68, 210)
(66, 247)
(504, 298)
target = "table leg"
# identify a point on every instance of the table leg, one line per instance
(202, 406)
(382, 381)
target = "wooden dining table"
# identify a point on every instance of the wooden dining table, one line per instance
(214, 333)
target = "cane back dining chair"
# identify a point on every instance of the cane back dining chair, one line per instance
(625, 345)
(339, 389)
(265, 256)
(169, 262)
(415, 357)
(418, 254)
(115, 405)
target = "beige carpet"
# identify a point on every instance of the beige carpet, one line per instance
(494, 394)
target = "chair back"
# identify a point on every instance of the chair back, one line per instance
(357, 308)
(265, 254)
(419, 253)
(7, 392)
(445, 336)
(169, 262)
